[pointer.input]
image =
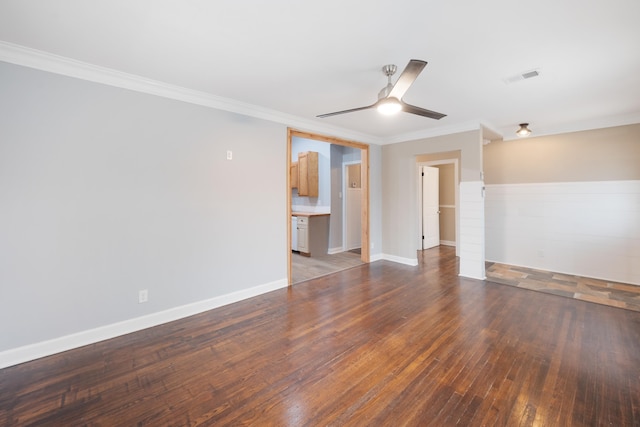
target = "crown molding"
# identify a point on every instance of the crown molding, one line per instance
(45, 61)
(431, 133)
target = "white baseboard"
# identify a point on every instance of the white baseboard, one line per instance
(376, 257)
(46, 348)
(447, 243)
(401, 260)
(333, 251)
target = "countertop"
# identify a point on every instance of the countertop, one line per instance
(308, 214)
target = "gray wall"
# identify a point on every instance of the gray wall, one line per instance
(399, 185)
(339, 155)
(105, 191)
(608, 154)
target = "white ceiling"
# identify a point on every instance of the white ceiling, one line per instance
(307, 58)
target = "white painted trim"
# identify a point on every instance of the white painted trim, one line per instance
(376, 257)
(401, 260)
(45, 61)
(472, 230)
(333, 251)
(46, 348)
(456, 175)
(431, 133)
(472, 275)
(447, 243)
(631, 184)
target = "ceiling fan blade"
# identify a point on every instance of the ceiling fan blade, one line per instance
(407, 108)
(345, 111)
(406, 79)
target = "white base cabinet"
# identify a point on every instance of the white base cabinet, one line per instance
(303, 234)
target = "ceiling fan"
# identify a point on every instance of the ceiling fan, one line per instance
(390, 97)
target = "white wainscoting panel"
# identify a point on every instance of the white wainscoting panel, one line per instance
(589, 229)
(472, 229)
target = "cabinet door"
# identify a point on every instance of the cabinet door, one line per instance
(293, 173)
(303, 167)
(308, 174)
(303, 238)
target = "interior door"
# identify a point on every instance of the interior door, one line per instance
(430, 207)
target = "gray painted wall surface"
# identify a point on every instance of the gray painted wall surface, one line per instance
(339, 155)
(399, 185)
(105, 191)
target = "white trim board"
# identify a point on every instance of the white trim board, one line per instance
(401, 260)
(46, 348)
(472, 230)
(456, 175)
(45, 61)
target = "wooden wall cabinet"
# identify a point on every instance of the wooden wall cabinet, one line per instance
(308, 174)
(293, 172)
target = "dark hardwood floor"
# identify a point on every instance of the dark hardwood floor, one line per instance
(377, 345)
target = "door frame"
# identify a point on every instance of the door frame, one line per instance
(364, 172)
(456, 177)
(345, 186)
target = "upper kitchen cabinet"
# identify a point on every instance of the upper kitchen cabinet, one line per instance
(293, 172)
(308, 174)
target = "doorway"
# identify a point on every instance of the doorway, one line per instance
(352, 206)
(448, 198)
(364, 183)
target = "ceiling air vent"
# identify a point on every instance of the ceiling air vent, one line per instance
(522, 76)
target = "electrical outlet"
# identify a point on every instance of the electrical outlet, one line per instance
(143, 296)
(229, 154)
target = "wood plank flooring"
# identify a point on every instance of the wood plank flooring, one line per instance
(381, 344)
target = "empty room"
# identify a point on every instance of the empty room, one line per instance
(343, 213)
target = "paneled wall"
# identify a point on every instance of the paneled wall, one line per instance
(589, 229)
(566, 203)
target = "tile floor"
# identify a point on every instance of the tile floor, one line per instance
(593, 290)
(306, 268)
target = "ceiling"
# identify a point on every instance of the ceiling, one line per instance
(300, 59)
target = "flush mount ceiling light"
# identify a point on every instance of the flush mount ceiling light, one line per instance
(524, 130)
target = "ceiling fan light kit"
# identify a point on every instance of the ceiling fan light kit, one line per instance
(389, 106)
(390, 97)
(524, 130)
